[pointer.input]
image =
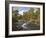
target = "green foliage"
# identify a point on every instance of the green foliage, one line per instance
(27, 16)
(14, 16)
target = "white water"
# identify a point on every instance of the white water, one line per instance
(24, 25)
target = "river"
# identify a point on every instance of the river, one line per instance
(24, 26)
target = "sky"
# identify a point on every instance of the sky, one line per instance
(23, 9)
